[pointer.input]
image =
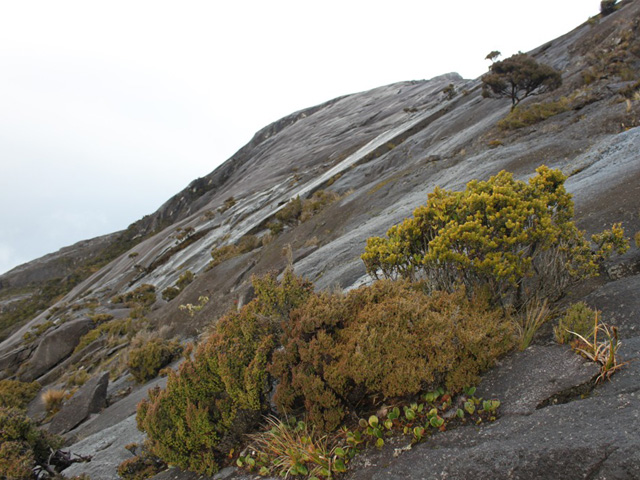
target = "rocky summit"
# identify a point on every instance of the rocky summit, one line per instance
(309, 190)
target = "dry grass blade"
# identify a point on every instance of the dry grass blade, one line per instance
(535, 315)
(53, 399)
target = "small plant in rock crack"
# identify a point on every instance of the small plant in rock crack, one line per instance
(602, 348)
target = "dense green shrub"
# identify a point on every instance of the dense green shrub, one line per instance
(219, 393)
(578, 318)
(14, 393)
(147, 359)
(23, 447)
(514, 238)
(388, 340)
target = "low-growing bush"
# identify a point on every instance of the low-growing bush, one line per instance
(77, 378)
(99, 318)
(113, 330)
(23, 448)
(388, 340)
(170, 293)
(220, 392)
(298, 210)
(246, 244)
(221, 254)
(146, 359)
(14, 393)
(144, 295)
(578, 319)
(185, 279)
(636, 239)
(523, 116)
(316, 203)
(291, 211)
(513, 238)
(52, 399)
(38, 330)
(228, 203)
(141, 466)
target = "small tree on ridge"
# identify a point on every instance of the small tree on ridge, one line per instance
(519, 77)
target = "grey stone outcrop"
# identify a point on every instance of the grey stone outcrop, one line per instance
(55, 347)
(90, 398)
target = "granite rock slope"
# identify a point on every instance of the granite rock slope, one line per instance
(380, 152)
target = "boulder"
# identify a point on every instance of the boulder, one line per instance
(91, 398)
(55, 347)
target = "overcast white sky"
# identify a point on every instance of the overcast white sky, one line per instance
(107, 109)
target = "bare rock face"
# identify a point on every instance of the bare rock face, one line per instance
(91, 398)
(55, 347)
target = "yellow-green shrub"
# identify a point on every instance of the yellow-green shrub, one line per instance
(517, 239)
(22, 446)
(146, 360)
(578, 318)
(387, 340)
(219, 393)
(523, 116)
(14, 393)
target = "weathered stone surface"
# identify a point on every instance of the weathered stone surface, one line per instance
(106, 448)
(115, 413)
(55, 347)
(90, 398)
(527, 380)
(11, 360)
